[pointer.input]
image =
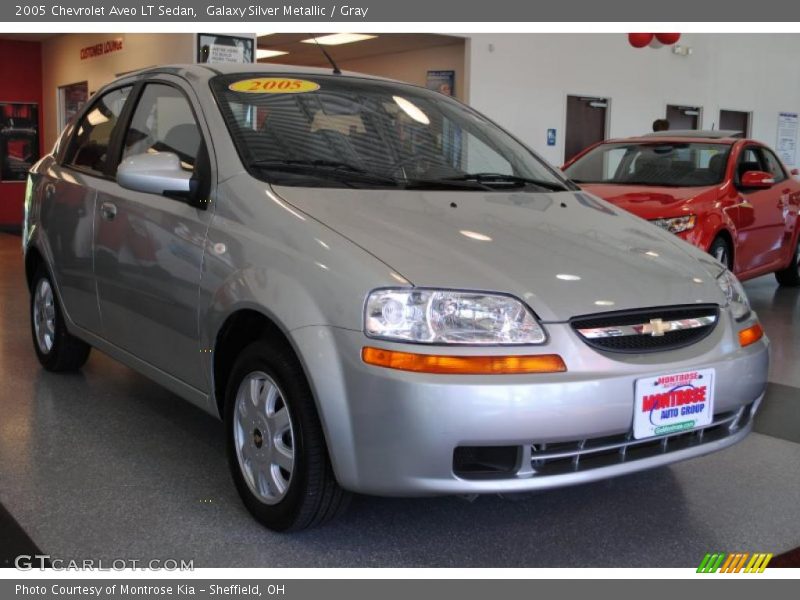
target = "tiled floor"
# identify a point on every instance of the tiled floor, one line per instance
(106, 464)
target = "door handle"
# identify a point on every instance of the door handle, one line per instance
(108, 211)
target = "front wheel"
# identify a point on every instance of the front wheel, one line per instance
(790, 276)
(56, 349)
(276, 448)
(720, 250)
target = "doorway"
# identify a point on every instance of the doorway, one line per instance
(735, 120)
(683, 117)
(587, 122)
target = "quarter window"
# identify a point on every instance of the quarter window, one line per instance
(92, 138)
(164, 122)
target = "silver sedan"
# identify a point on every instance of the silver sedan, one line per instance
(378, 290)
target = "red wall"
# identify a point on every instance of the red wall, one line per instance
(20, 81)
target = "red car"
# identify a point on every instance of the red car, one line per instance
(730, 196)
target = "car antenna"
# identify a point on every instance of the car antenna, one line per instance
(336, 69)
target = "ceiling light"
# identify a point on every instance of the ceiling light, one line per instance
(264, 53)
(412, 110)
(336, 39)
(474, 235)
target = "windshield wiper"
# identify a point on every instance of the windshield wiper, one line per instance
(324, 167)
(446, 183)
(490, 178)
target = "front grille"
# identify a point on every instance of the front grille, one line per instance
(583, 455)
(647, 330)
(547, 459)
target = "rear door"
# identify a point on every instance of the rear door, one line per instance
(69, 205)
(149, 248)
(760, 218)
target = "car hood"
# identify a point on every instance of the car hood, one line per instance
(565, 253)
(651, 202)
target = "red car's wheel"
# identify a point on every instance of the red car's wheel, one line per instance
(790, 276)
(720, 249)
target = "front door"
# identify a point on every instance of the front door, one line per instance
(760, 214)
(149, 248)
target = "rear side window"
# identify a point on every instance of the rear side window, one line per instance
(91, 139)
(164, 122)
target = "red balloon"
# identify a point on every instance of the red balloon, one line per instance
(668, 38)
(639, 40)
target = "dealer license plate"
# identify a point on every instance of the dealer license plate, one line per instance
(666, 404)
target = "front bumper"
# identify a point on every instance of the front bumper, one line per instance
(395, 433)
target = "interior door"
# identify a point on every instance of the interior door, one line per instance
(586, 123)
(760, 214)
(735, 120)
(683, 117)
(149, 248)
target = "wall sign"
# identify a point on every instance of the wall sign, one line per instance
(224, 49)
(102, 48)
(787, 138)
(551, 137)
(19, 139)
(442, 81)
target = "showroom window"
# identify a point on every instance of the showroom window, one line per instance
(164, 122)
(89, 148)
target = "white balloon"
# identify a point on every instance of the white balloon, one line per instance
(655, 43)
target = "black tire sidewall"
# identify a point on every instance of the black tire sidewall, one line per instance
(260, 356)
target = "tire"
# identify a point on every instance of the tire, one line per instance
(790, 276)
(721, 250)
(276, 447)
(56, 348)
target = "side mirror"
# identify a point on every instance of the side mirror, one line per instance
(756, 180)
(157, 173)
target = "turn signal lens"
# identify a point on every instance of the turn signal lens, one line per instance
(463, 365)
(750, 335)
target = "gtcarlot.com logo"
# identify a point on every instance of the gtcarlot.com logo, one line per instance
(27, 562)
(736, 562)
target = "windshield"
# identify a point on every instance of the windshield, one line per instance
(675, 164)
(335, 131)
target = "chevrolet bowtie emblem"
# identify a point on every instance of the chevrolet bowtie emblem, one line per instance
(656, 328)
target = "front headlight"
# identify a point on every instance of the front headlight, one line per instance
(734, 293)
(450, 317)
(676, 224)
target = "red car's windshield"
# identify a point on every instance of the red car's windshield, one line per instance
(675, 164)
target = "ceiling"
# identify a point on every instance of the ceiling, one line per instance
(27, 37)
(310, 55)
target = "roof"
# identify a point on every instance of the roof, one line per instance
(208, 70)
(709, 134)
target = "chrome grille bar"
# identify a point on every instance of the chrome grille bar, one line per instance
(654, 328)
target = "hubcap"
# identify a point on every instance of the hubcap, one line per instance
(264, 437)
(44, 316)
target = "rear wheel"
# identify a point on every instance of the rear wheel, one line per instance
(55, 347)
(721, 250)
(790, 276)
(276, 448)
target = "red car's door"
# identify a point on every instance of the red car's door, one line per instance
(760, 215)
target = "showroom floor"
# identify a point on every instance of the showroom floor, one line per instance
(106, 465)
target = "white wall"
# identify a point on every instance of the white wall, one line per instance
(522, 80)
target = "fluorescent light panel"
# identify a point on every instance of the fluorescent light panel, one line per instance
(337, 39)
(264, 53)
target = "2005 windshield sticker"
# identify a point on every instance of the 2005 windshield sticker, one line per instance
(673, 403)
(274, 85)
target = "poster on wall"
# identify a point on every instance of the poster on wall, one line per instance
(71, 99)
(443, 82)
(224, 49)
(19, 139)
(787, 138)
